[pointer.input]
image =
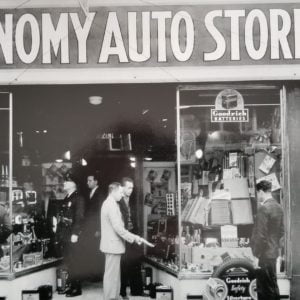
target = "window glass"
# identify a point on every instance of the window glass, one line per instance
(229, 140)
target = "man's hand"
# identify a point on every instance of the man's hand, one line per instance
(256, 263)
(138, 240)
(74, 238)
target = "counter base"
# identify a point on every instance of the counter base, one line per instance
(184, 286)
(11, 289)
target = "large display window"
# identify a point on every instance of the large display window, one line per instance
(230, 138)
(28, 243)
(60, 129)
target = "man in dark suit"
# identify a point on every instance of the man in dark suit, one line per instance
(73, 215)
(131, 260)
(91, 234)
(267, 239)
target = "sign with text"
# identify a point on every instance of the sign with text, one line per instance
(239, 288)
(229, 107)
(150, 36)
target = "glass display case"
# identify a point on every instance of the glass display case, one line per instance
(228, 139)
(30, 246)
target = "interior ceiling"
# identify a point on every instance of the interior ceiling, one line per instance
(72, 122)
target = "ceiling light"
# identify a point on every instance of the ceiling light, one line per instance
(148, 158)
(95, 100)
(164, 120)
(59, 160)
(83, 162)
(199, 153)
(132, 158)
(67, 155)
(132, 164)
(145, 111)
(45, 131)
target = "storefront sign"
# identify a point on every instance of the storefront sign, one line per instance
(150, 36)
(229, 107)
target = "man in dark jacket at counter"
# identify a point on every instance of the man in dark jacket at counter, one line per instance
(267, 239)
(74, 214)
(131, 260)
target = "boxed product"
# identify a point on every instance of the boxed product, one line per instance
(164, 293)
(32, 259)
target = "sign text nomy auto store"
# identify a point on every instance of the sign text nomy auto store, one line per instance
(150, 36)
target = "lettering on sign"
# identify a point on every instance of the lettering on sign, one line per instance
(144, 36)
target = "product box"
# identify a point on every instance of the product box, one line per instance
(38, 258)
(31, 295)
(187, 253)
(164, 293)
(32, 259)
(28, 260)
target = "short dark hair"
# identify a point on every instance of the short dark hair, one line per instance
(95, 175)
(113, 186)
(71, 177)
(264, 185)
(126, 179)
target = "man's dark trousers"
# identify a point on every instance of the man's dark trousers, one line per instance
(267, 288)
(131, 271)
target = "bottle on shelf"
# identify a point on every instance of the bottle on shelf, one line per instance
(4, 176)
(188, 237)
(148, 280)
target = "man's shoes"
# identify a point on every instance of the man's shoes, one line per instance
(62, 291)
(139, 294)
(73, 292)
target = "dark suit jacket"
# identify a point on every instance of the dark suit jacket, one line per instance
(74, 211)
(92, 216)
(268, 230)
(124, 212)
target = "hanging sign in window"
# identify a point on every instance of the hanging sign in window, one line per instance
(229, 107)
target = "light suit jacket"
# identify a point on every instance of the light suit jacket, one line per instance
(113, 232)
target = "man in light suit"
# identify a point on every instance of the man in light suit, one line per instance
(113, 237)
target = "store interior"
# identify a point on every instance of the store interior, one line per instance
(57, 119)
(80, 129)
(130, 130)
